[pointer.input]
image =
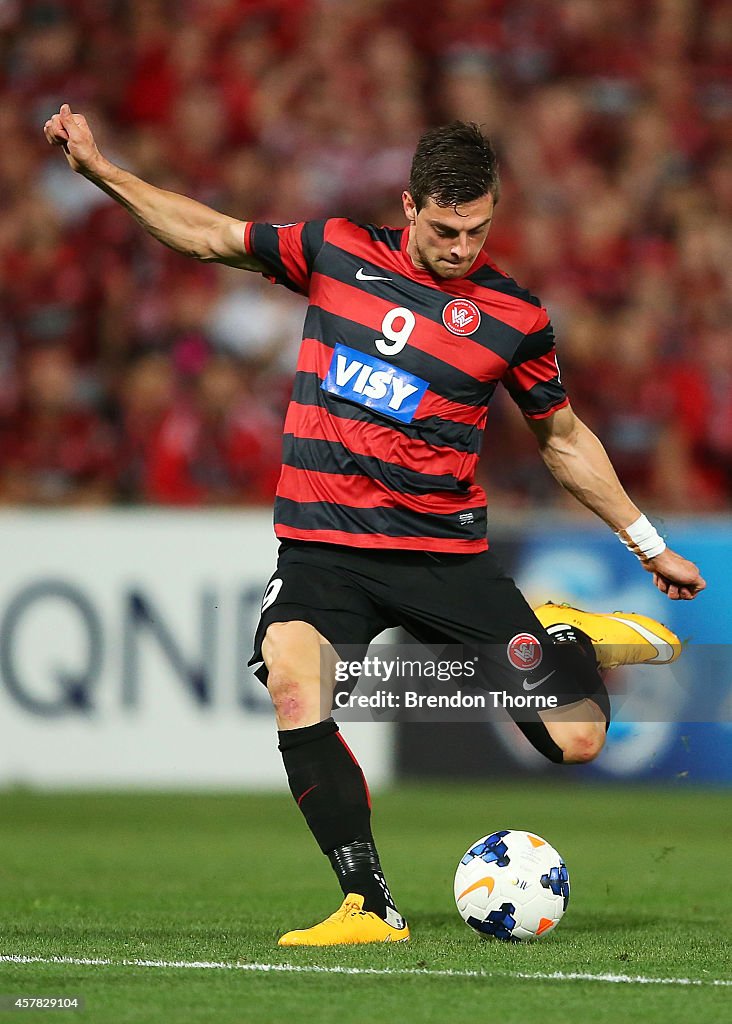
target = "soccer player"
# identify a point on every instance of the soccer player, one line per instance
(407, 334)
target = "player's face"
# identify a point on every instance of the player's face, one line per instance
(446, 240)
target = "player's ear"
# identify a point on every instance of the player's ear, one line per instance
(410, 209)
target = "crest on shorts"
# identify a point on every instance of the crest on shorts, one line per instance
(461, 316)
(524, 652)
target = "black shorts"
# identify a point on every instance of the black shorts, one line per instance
(350, 596)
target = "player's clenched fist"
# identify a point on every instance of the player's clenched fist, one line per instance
(72, 132)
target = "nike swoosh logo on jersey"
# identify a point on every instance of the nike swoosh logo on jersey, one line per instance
(361, 276)
(532, 686)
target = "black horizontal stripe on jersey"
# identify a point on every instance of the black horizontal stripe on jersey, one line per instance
(429, 302)
(312, 240)
(444, 380)
(432, 430)
(534, 346)
(318, 456)
(385, 522)
(488, 277)
(266, 247)
(540, 399)
(390, 237)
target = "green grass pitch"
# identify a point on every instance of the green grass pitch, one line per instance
(199, 878)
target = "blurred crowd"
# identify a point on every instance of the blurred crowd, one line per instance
(130, 374)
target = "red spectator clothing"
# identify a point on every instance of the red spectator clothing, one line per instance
(151, 90)
(51, 300)
(703, 406)
(192, 461)
(58, 454)
(383, 451)
(138, 439)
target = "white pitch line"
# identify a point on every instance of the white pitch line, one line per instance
(213, 965)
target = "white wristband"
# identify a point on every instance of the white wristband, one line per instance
(643, 539)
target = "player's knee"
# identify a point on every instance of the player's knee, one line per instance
(582, 743)
(290, 695)
(291, 655)
(288, 698)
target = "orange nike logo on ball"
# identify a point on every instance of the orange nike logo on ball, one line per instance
(488, 882)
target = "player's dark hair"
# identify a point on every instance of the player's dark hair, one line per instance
(453, 164)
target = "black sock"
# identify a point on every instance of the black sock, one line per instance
(358, 870)
(563, 633)
(330, 789)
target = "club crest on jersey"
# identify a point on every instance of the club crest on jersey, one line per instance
(461, 316)
(374, 383)
(524, 652)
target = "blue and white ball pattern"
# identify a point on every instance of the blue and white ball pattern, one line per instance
(512, 885)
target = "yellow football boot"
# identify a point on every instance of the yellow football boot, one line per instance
(350, 925)
(618, 638)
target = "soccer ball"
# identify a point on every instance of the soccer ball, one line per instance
(512, 885)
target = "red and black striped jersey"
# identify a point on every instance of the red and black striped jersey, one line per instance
(393, 382)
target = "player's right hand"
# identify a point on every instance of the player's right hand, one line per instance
(73, 133)
(676, 577)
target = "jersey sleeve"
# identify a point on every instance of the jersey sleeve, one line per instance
(533, 378)
(287, 250)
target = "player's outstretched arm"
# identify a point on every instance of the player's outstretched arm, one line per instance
(182, 224)
(578, 461)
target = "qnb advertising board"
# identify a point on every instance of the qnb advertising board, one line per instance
(124, 641)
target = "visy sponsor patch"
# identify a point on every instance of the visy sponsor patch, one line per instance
(374, 383)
